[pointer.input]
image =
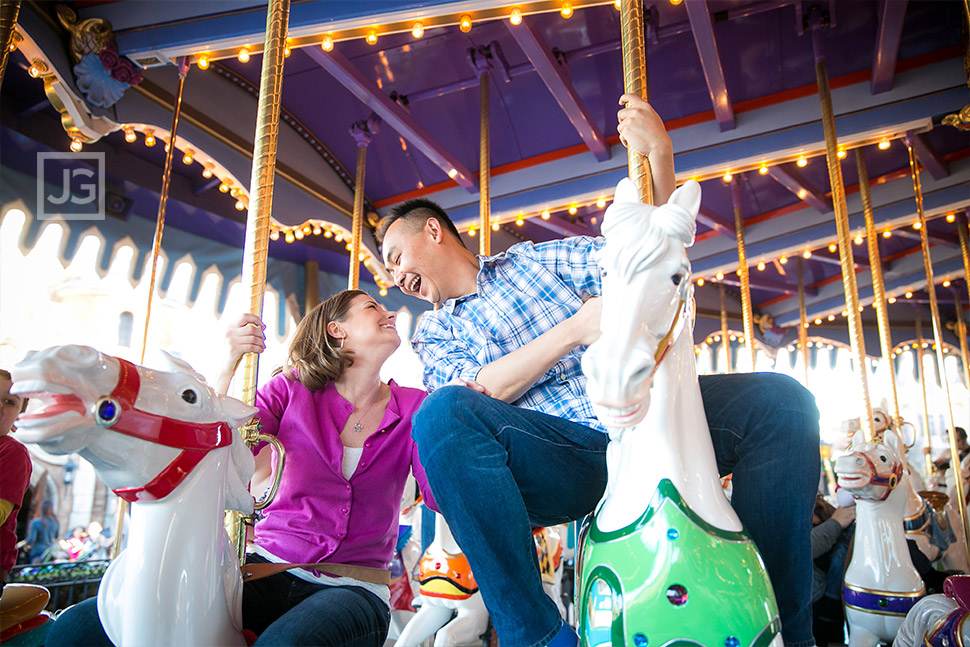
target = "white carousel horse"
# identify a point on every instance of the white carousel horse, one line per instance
(939, 620)
(448, 589)
(880, 585)
(663, 503)
(166, 442)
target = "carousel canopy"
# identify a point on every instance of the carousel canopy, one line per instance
(734, 80)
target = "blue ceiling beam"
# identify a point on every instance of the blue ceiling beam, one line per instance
(703, 28)
(803, 190)
(556, 77)
(888, 34)
(927, 156)
(393, 114)
(716, 221)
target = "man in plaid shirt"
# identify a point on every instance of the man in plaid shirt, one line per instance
(522, 447)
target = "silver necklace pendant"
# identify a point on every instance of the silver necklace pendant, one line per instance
(358, 427)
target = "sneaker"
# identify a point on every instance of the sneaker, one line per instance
(566, 637)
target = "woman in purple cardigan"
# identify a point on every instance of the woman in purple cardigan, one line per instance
(348, 446)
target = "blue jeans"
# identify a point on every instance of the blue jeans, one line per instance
(282, 609)
(497, 470)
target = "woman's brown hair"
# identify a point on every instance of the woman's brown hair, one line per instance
(315, 355)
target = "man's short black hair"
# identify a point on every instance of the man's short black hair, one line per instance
(418, 209)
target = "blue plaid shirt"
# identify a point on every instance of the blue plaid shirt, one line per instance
(521, 294)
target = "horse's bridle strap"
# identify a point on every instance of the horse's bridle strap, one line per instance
(194, 439)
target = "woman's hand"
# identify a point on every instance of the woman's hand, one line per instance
(475, 386)
(244, 335)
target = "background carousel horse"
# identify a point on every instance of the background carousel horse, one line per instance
(663, 503)
(939, 620)
(448, 589)
(881, 584)
(549, 551)
(166, 442)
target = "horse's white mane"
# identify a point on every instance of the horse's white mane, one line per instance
(650, 228)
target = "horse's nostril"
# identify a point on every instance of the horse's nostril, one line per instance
(858, 461)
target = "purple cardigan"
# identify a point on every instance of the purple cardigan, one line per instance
(318, 515)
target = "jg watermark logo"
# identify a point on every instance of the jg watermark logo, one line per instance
(70, 186)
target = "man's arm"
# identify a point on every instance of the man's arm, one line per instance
(642, 129)
(510, 376)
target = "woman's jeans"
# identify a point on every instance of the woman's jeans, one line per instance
(282, 609)
(497, 470)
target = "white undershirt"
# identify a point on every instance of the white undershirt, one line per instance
(350, 461)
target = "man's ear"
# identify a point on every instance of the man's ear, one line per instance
(434, 229)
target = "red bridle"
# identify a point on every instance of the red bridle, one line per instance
(118, 413)
(888, 480)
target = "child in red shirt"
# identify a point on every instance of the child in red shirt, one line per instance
(14, 477)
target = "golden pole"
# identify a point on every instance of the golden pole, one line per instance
(928, 450)
(484, 171)
(842, 226)
(183, 69)
(256, 247)
(747, 316)
(353, 278)
(724, 330)
(802, 319)
(878, 284)
(635, 81)
(965, 248)
(9, 11)
(961, 330)
(938, 335)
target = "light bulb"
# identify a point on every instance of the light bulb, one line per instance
(471, 232)
(802, 162)
(857, 240)
(601, 202)
(207, 171)
(884, 144)
(240, 205)
(327, 43)
(887, 234)
(727, 176)
(149, 138)
(567, 10)
(76, 145)
(243, 55)
(516, 16)
(290, 237)
(519, 222)
(224, 188)
(496, 226)
(298, 234)
(465, 23)
(763, 170)
(187, 158)
(418, 29)
(130, 135)
(946, 284)
(841, 153)
(917, 225)
(383, 292)
(950, 217)
(761, 266)
(807, 253)
(371, 37)
(36, 69)
(783, 260)
(545, 214)
(700, 282)
(203, 62)
(719, 276)
(573, 208)
(453, 173)
(892, 299)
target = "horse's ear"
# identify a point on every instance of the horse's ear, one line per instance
(626, 191)
(687, 197)
(238, 411)
(892, 439)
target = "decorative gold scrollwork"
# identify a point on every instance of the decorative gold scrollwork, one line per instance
(88, 36)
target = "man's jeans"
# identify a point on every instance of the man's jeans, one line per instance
(497, 470)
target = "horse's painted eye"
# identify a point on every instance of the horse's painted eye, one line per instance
(189, 396)
(676, 279)
(883, 459)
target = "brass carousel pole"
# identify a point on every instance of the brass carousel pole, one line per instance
(636, 81)
(961, 331)
(183, 69)
(928, 449)
(363, 132)
(965, 247)
(747, 316)
(724, 330)
(938, 335)
(878, 285)
(802, 319)
(9, 11)
(842, 226)
(484, 169)
(256, 247)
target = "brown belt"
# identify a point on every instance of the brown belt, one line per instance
(252, 572)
